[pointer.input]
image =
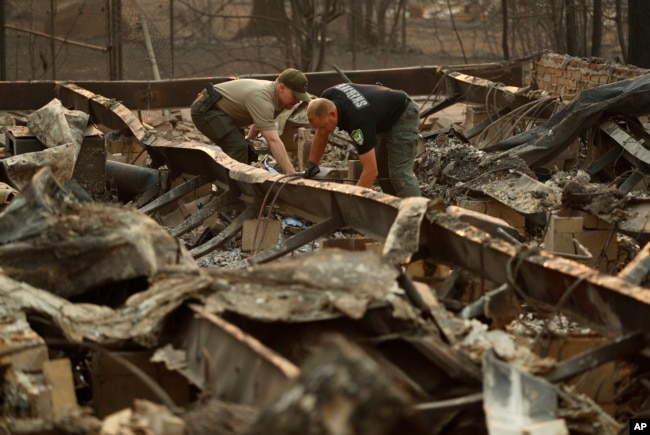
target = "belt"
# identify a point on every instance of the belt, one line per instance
(203, 95)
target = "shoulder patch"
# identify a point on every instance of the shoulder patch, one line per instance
(357, 136)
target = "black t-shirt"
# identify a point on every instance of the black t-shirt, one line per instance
(365, 110)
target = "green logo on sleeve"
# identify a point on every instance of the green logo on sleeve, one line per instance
(357, 137)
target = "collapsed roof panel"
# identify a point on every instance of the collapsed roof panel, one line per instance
(542, 143)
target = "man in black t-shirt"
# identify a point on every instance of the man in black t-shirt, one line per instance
(384, 125)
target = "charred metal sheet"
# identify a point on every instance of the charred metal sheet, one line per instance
(455, 363)
(232, 365)
(327, 284)
(637, 220)
(229, 232)
(620, 347)
(196, 219)
(632, 146)
(18, 170)
(478, 308)
(447, 102)
(495, 226)
(468, 401)
(61, 131)
(24, 219)
(523, 194)
(635, 178)
(404, 235)
(137, 320)
(637, 271)
(604, 160)
(544, 142)
(516, 402)
(634, 150)
(540, 278)
(174, 194)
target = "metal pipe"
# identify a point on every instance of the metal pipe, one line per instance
(131, 179)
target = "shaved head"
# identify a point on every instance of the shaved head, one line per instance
(319, 108)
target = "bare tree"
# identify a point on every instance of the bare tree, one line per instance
(584, 27)
(453, 24)
(371, 18)
(504, 33)
(310, 20)
(268, 18)
(597, 28)
(391, 39)
(639, 33)
(620, 29)
(571, 28)
(368, 11)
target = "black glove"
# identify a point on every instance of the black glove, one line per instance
(312, 170)
(252, 153)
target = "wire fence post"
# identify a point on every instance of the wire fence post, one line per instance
(115, 39)
(3, 43)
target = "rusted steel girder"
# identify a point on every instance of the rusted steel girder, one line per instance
(164, 94)
(607, 303)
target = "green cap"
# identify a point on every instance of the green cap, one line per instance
(296, 81)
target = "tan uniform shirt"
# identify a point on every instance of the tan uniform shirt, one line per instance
(250, 101)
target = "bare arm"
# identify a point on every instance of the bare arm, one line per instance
(252, 133)
(369, 169)
(278, 150)
(318, 144)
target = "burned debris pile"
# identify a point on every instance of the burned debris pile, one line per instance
(511, 297)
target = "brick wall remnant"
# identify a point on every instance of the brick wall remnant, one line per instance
(566, 76)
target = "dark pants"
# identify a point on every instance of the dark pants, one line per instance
(396, 150)
(219, 128)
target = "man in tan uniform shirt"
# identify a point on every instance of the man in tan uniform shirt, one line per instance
(245, 102)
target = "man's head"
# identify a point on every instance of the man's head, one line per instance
(322, 115)
(296, 81)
